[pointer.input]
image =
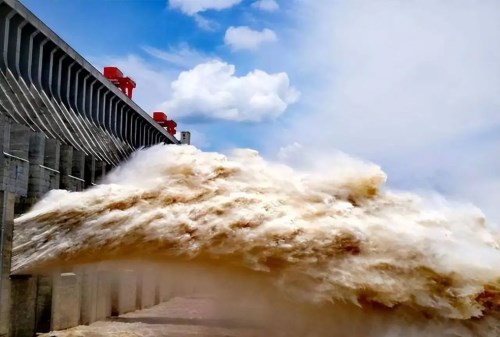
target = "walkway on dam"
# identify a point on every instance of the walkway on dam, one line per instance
(178, 317)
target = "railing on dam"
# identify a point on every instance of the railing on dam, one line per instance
(49, 87)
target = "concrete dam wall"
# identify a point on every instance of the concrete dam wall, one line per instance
(63, 125)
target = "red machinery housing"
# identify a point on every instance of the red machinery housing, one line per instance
(126, 84)
(161, 119)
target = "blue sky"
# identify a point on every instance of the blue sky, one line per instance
(124, 26)
(107, 32)
(412, 86)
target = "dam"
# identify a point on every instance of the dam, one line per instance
(63, 125)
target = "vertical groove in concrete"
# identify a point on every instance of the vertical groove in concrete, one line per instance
(66, 165)
(37, 184)
(78, 169)
(19, 141)
(123, 295)
(6, 231)
(23, 304)
(103, 303)
(100, 171)
(52, 153)
(44, 303)
(90, 170)
(148, 288)
(88, 311)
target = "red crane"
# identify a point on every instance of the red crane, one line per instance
(115, 76)
(127, 85)
(162, 119)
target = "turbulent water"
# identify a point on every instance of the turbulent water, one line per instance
(343, 251)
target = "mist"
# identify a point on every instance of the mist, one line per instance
(329, 249)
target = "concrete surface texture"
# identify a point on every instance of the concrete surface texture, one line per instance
(181, 316)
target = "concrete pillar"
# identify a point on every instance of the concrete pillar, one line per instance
(17, 297)
(138, 292)
(103, 303)
(52, 153)
(146, 293)
(100, 170)
(17, 162)
(157, 290)
(66, 166)
(88, 311)
(165, 286)
(124, 290)
(22, 316)
(89, 170)
(65, 301)
(7, 201)
(19, 141)
(36, 152)
(44, 303)
(78, 169)
(5, 124)
(52, 159)
(38, 183)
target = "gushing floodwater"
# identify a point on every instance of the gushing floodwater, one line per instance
(333, 253)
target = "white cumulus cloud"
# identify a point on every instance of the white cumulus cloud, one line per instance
(211, 90)
(245, 38)
(410, 85)
(266, 5)
(191, 7)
